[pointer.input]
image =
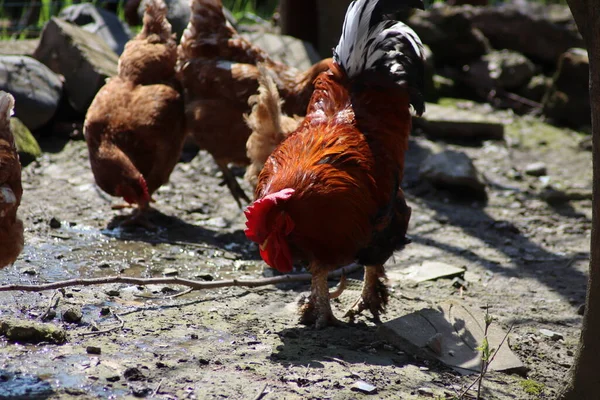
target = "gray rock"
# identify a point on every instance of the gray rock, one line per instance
(551, 334)
(504, 69)
(286, 49)
(454, 171)
(567, 101)
(24, 331)
(100, 22)
(36, 89)
(535, 169)
(81, 57)
(73, 315)
(450, 35)
(458, 125)
(549, 31)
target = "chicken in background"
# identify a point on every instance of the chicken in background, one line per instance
(269, 125)
(330, 192)
(11, 227)
(218, 70)
(134, 128)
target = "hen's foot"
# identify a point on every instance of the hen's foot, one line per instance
(234, 187)
(138, 219)
(317, 310)
(374, 296)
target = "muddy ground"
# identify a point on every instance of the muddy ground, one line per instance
(525, 258)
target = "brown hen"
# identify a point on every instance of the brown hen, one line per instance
(218, 70)
(11, 227)
(135, 126)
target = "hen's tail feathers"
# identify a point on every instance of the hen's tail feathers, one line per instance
(7, 103)
(372, 43)
(269, 126)
(155, 21)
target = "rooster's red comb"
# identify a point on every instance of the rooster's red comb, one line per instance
(257, 212)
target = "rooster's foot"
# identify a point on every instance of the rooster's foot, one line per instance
(317, 310)
(318, 316)
(374, 296)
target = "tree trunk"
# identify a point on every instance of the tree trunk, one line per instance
(585, 379)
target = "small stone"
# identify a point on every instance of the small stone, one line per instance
(551, 334)
(536, 169)
(363, 387)
(459, 283)
(113, 293)
(104, 264)
(104, 311)
(113, 378)
(194, 336)
(423, 391)
(73, 315)
(93, 350)
(134, 374)
(29, 271)
(170, 272)
(55, 223)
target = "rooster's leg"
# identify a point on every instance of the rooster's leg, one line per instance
(317, 311)
(234, 187)
(374, 296)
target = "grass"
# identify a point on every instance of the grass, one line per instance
(532, 387)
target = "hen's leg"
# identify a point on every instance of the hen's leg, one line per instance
(234, 187)
(317, 311)
(139, 218)
(374, 296)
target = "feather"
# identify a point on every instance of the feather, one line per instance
(390, 48)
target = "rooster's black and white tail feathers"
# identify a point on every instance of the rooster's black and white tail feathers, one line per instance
(369, 42)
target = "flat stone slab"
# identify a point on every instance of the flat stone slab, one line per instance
(428, 271)
(451, 333)
(441, 122)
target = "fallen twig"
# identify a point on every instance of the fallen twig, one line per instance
(107, 330)
(157, 388)
(261, 392)
(192, 284)
(51, 310)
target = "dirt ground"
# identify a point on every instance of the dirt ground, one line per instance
(525, 258)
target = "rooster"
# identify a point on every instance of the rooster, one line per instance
(218, 70)
(11, 227)
(134, 126)
(330, 192)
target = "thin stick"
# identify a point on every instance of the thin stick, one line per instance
(107, 330)
(261, 392)
(52, 305)
(157, 388)
(194, 285)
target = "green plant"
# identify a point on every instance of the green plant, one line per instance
(532, 387)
